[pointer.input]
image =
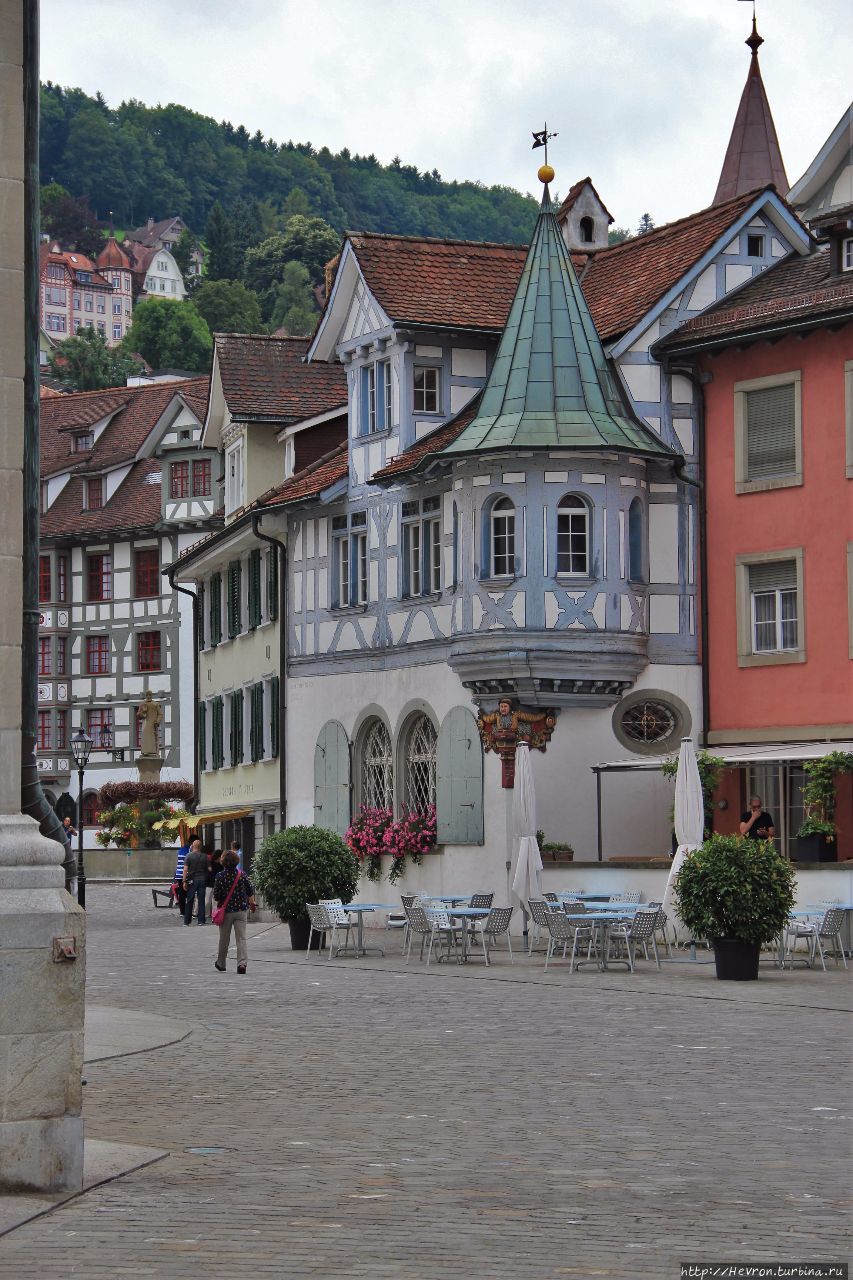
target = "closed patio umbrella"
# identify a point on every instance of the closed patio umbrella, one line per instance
(525, 882)
(689, 825)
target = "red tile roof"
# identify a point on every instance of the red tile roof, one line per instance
(311, 481)
(112, 256)
(428, 445)
(572, 195)
(134, 506)
(623, 282)
(798, 289)
(137, 411)
(73, 263)
(264, 377)
(149, 236)
(450, 283)
(45, 392)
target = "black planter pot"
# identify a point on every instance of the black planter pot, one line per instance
(815, 848)
(736, 961)
(299, 931)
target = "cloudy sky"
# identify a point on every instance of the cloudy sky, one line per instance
(643, 93)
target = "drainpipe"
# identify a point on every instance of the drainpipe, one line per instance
(688, 371)
(282, 660)
(176, 586)
(33, 800)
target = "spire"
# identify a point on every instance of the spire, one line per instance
(753, 158)
(551, 385)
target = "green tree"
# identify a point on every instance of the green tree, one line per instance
(183, 251)
(170, 335)
(293, 305)
(228, 306)
(296, 203)
(247, 230)
(86, 363)
(645, 225)
(219, 237)
(70, 221)
(618, 235)
(312, 242)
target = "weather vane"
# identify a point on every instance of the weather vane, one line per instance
(541, 138)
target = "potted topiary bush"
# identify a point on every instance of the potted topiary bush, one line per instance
(737, 893)
(816, 836)
(300, 865)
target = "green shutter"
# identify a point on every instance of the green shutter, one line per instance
(202, 735)
(459, 801)
(275, 711)
(200, 617)
(332, 778)
(236, 734)
(218, 746)
(235, 577)
(216, 609)
(254, 589)
(256, 722)
(272, 583)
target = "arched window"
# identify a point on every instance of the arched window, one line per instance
(502, 521)
(587, 227)
(636, 559)
(377, 767)
(90, 809)
(419, 765)
(573, 536)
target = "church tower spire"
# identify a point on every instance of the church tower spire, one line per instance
(753, 158)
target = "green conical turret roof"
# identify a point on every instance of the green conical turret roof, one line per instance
(551, 385)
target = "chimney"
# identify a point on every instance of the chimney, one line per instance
(150, 224)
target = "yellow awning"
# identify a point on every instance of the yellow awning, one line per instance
(183, 826)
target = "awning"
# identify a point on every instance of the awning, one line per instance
(183, 827)
(740, 753)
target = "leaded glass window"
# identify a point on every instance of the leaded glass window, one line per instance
(377, 769)
(420, 765)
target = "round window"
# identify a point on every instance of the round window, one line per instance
(651, 723)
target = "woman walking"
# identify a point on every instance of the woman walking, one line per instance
(235, 897)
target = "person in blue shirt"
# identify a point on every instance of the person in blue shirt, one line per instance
(178, 889)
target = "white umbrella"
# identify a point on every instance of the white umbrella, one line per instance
(525, 882)
(689, 824)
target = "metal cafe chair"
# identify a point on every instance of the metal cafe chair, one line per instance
(828, 929)
(495, 925)
(639, 929)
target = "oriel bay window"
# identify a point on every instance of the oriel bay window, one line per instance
(45, 582)
(421, 546)
(97, 655)
(99, 577)
(179, 480)
(44, 734)
(573, 558)
(501, 558)
(349, 547)
(61, 655)
(45, 656)
(146, 576)
(376, 397)
(201, 478)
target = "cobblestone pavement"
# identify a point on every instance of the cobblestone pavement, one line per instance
(383, 1122)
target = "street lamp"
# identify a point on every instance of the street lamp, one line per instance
(81, 745)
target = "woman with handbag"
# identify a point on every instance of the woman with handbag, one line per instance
(234, 895)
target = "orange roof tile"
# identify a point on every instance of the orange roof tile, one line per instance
(265, 377)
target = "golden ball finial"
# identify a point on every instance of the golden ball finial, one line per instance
(546, 173)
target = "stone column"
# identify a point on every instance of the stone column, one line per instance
(42, 930)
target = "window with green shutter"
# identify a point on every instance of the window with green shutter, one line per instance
(254, 599)
(215, 611)
(272, 583)
(235, 578)
(217, 734)
(237, 727)
(274, 716)
(200, 616)
(256, 722)
(202, 735)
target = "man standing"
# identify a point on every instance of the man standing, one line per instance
(195, 881)
(69, 830)
(756, 824)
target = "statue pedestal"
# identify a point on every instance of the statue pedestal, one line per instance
(149, 768)
(42, 987)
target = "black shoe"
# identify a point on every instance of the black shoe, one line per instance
(220, 967)
(241, 968)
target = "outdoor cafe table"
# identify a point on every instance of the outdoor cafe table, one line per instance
(358, 909)
(465, 914)
(603, 920)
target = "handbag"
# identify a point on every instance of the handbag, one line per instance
(218, 913)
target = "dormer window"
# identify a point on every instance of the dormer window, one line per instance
(94, 493)
(755, 246)
(587, 230)
(847, 254)
(427, 390)
(376, 397)
(82, 441)
(234, 477)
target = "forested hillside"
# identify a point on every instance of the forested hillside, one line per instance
(135, 162)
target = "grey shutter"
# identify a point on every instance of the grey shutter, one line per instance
(770, 432)
(275, 715)
(774, 575)
(332, 778)
(459, 802)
